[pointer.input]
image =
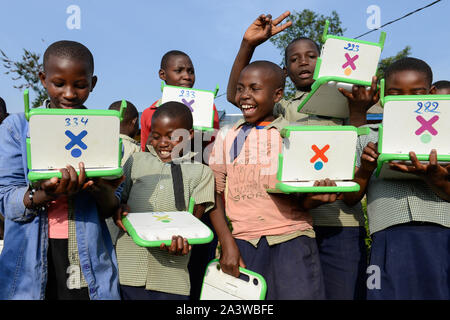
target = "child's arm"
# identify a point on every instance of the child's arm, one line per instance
(435, 175)
(359, 101)
(259, 31)
(103, 192)
(363, 173)
(230, 257)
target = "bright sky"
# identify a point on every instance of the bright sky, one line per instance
(128, 38)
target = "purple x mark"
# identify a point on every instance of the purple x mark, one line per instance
(189, 104)
(350, 61)
(427, 125)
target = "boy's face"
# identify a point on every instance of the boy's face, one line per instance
(301, 58)
(256, 94)
(161, 133)
(408, 82)
(179, 72)
(68, 82)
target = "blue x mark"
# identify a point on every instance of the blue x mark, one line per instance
(76, 140)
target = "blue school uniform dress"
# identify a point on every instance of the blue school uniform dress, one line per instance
(410, 229)
(23, 261)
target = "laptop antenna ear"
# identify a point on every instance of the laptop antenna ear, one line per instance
(123, 107)
(26, 101)
(325, 31)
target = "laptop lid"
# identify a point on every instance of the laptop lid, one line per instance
(200, 102)
(351, 59)
(62, 136)
(416, 123)
(317, 152)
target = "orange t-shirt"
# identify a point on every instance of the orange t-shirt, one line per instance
(58, 219)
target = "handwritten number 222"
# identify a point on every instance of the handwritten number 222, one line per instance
(429, 107)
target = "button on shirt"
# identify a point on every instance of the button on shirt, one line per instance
(391, 202)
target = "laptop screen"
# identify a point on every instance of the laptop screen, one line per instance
(416, 124)
(318, 154)
(58, 140)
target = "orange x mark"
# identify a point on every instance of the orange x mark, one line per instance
(320, 153)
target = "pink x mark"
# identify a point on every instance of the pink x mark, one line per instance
(350, 61)
(427, 125)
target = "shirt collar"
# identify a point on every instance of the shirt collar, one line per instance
(186, 158)
(299, 94)
(278, 123)
(125, 137)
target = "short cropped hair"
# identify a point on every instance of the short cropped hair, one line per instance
(410, 64)
(130, 113)
(175, 110)
(299, 39)
(3, 110)
(70, 50)
(443, 84)
(271, 69)
(169, 55)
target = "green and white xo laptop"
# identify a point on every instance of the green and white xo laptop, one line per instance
(151, 229)
(217, 285)
(343, 62)
(58, 137)
(200, 102)
(315, 153)
(412, 123)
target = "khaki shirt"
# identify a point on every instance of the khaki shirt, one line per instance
(149, 188)
(130, 146)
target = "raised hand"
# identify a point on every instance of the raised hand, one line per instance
(264, 27)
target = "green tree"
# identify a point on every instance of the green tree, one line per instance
(384, 63)
(26, 70)
(310, 24)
